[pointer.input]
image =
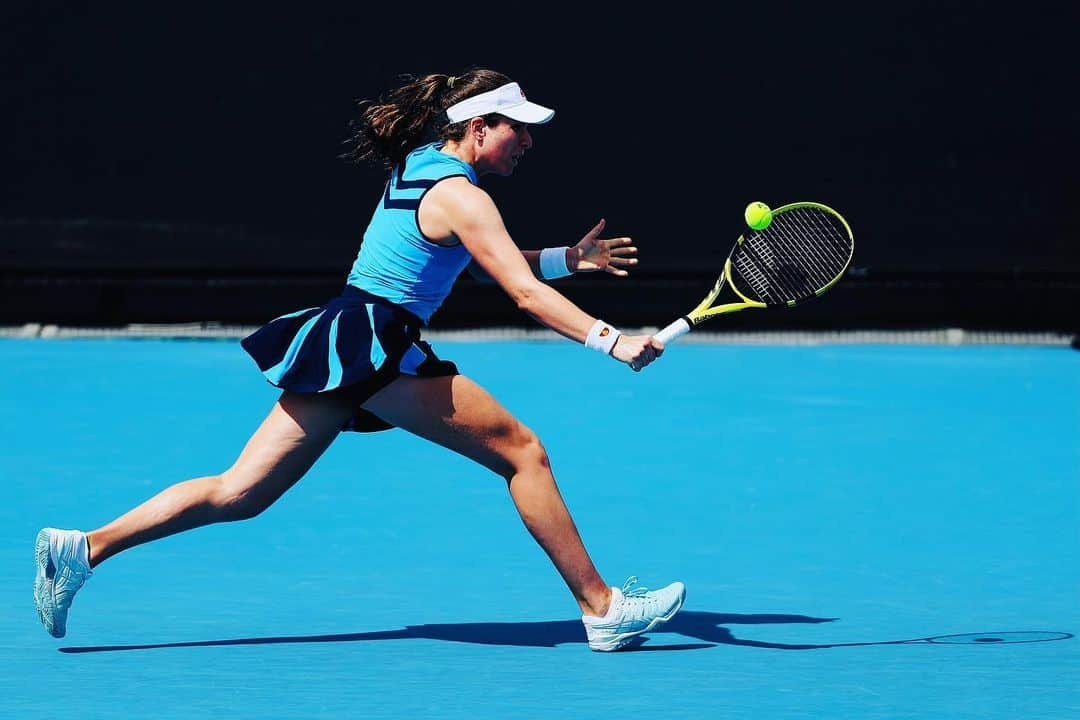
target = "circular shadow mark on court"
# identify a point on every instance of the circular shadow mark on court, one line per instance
(1002, 637)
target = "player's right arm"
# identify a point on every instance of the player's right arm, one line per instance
(456, 207)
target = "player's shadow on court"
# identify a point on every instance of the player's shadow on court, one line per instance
(707, 627)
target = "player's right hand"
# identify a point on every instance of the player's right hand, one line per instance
(637, 351)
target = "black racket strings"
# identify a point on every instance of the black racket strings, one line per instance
(800, 253)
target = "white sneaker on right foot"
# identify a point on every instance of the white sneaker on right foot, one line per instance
(632, 612)
(63, 564)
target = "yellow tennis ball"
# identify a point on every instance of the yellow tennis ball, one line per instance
(758, 215)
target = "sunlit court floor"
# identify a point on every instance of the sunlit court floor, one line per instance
(823, 504)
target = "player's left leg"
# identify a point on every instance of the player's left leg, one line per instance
(295, 433)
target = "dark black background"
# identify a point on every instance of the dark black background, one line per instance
(181, 162)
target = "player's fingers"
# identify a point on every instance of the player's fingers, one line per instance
(597, 229)
(623, 261)
(657, 346)
(615, 271)
(624, 248)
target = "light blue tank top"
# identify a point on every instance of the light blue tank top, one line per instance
(396, 261)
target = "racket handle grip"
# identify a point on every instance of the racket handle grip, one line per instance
(675, 330)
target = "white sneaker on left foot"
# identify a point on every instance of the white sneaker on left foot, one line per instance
(63, 565)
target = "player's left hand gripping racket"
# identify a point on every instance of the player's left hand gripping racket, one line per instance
(801, 254)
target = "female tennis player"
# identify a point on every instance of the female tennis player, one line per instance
(358, 363)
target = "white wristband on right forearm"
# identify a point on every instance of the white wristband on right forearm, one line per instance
(602, 337)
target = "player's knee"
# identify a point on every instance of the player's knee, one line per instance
(236, 500)
(529, 453)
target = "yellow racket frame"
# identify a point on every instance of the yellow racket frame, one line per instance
(705, 309)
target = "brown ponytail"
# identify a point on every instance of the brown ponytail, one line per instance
(405, 118)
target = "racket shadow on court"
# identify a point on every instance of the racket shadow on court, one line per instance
(706, 627)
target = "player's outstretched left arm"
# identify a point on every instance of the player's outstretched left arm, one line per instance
(612, 255)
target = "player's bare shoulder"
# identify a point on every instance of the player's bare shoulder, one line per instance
(456, 205)
(443, 206)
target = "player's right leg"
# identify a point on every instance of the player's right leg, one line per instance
(291, 438)
(460, 415)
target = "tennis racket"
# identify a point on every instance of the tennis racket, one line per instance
(801, 254)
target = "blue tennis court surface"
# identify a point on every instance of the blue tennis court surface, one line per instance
(821, 503)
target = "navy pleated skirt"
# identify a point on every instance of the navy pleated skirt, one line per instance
(355, 345)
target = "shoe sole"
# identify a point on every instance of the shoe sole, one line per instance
(625, 638)
(43, 596)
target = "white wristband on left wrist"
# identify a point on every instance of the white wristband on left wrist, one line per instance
(553, 263)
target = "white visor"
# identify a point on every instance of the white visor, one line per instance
(507, 100)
